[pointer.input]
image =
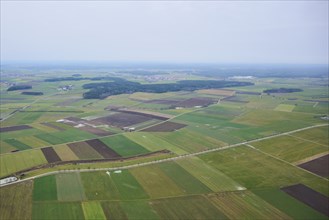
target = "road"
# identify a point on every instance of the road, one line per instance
(168, 159)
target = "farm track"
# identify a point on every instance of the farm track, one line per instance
(179, 157)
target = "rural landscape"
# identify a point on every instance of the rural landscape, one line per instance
(170, 144)
(164, 110)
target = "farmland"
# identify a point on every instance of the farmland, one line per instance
(230, 157)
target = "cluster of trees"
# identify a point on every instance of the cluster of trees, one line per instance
(72, 78)
(282, 90)
(32, 93)
(19, 87)
(121, 86)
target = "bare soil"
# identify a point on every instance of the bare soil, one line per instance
(153, 116)
(50, 154)
(233, 99)
(309, 196)
(162, 101)
(319, 166)
(96, 131)
(14, 128)
(121, 119)
(102, 149)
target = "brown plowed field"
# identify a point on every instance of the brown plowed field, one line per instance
(308, 196)
(96, 131)
(53, 126)
(159, 117)
(102, 149)
(189, 103)
(76, 120)
(15, 128)
(162, 101)
(122, 119)
(233, 99)
(165, 127)
(319, 166)
(50, 154)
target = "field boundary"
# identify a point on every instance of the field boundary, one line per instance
(174, 158)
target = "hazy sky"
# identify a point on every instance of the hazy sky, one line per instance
(213, 31)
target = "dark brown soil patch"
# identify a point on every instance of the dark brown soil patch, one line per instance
(50, 154)
(319, 166)
(15, 128)
(53, 126)
(165, 127)
(76, 120)
(122, 119)
(144, 114)
(102, 149)
(234, 99)
(95, 131)
(309, 196)
(163, 101)
(192, 102)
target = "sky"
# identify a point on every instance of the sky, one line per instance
(166, 31)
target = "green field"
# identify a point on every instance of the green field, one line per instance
(124, 146)
(139, 210)
(245, 205)
(209, 176)
(11, 163)
(45, 188)
(17, 144)
(153, 143)
(99, 186)
(241, 182)
(128, 186)
(57, 211)
(69, 187)
(284, 108)
(153, 179)
(289, 148)
(191, 141)
(183, 179)
(93, 210)
(196, 207)
(113, 210)
(254, 169)
(285, 203)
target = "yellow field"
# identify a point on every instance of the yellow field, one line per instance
(284, 108)
(65, 153)
(245, 205)
(11, 163)
(33, 141)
